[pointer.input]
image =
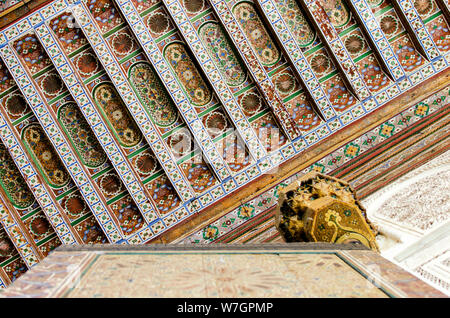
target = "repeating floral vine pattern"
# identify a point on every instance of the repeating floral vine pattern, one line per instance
(45, 156)
(222, 53)
(187, 73)
(254, 29)
(81, 135)
(117, 115)
(337, 12)
(148, 87)
(296, 22)
(12, 181)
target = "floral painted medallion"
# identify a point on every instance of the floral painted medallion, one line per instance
(251, 103)
(302, 32)
(45, 156)
(194, 6)
(39, 226)
(222, 53)
(87, 64)
(158, 23)
(145, 163)
(210, 233)
(337, 12)
(117, 115)
(123, 43)
(255, 31)
(74, 205)
(216, 122)
(355, 44)
(389, 25)
(285, 83)
(151, 92)
(12, 182)
(321, 64)
(81, 135)
(51, 85)
(16, 106)
(190, 79)
(424, 7)
(181, 142)
(6, 246)
(110, 184)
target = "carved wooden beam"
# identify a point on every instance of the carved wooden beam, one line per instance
(18, 233)
(445, 8)
(277, 40)
(190, 36)
(254, 68)
(410, 30)
(319, 19)
(370, 40)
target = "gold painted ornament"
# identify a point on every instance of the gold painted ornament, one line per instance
(320, 208)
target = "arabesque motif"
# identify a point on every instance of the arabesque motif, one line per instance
(81, 135)
(151, 92)
(12, 181)
(45, 156)
(337, 12)
(296, 22)
(190, 79)
(117, 115)
(222, 53)
(254, 29)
